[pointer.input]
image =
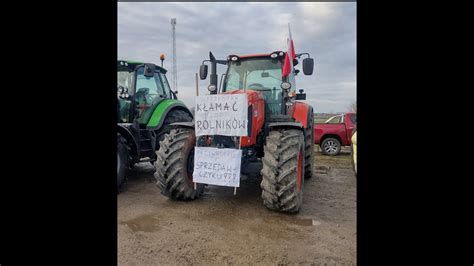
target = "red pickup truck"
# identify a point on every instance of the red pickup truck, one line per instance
(335, 132)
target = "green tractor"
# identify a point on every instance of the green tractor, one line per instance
(146, 107)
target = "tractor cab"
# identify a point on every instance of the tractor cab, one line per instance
(259, 73)
(140, 88)
(262, 73)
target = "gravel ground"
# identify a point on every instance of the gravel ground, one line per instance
(220, 228)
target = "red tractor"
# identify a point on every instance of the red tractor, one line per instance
(280, 140)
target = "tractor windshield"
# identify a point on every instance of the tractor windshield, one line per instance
(260, 74)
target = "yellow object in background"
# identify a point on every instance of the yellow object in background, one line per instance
(354, 151)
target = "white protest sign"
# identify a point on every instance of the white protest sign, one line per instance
(217, 166)
(222, 114)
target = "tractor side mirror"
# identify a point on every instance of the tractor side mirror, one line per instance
(203, 72)
(149, 70)
(308, 65)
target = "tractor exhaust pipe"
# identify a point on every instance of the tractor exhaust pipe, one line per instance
(213, 76)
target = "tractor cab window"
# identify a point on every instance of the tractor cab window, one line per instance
(124, 79)
(149, 92)
(166, 85)
(260, 74)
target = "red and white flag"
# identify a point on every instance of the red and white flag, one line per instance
(290, 54)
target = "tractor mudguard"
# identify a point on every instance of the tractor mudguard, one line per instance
(300, 112)
(125, 132)
(160, 112)
(183, 124)
(296, 125)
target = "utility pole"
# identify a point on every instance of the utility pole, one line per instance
(174, 73)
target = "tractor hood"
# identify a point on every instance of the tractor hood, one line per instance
(252, 95)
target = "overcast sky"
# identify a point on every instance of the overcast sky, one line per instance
(325, 30)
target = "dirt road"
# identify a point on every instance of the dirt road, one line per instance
(221, 228)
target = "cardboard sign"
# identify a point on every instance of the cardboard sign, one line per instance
(223, 114)
(217, 166)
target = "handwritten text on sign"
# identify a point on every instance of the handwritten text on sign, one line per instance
(223, 114)
(217, 166)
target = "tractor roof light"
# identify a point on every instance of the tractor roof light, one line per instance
(277, 54)
(233, 58)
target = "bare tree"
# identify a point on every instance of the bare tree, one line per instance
(352, 107)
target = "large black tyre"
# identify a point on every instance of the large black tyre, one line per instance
(175, 163)
(283, 170)
(331, 146)
(309, 148)
(172, 117)
(123, 160)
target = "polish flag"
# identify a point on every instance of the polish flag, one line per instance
(288, 64)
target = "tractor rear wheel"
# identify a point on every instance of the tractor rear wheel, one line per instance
(309, 149)
(175, 163)
(123, 160)
(283, 170)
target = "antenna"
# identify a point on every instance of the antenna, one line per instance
(174, 72)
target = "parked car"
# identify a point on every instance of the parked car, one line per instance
(354, 151)
(334, 133)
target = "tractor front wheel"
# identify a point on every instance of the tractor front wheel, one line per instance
(283, 170)
(123, 160)
(172, 117)
(175, 163)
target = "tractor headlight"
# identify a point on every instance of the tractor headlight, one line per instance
(275, 55)
(286, 85)
(212, 88)
(234, 58)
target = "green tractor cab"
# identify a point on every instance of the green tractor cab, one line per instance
(146, 106)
